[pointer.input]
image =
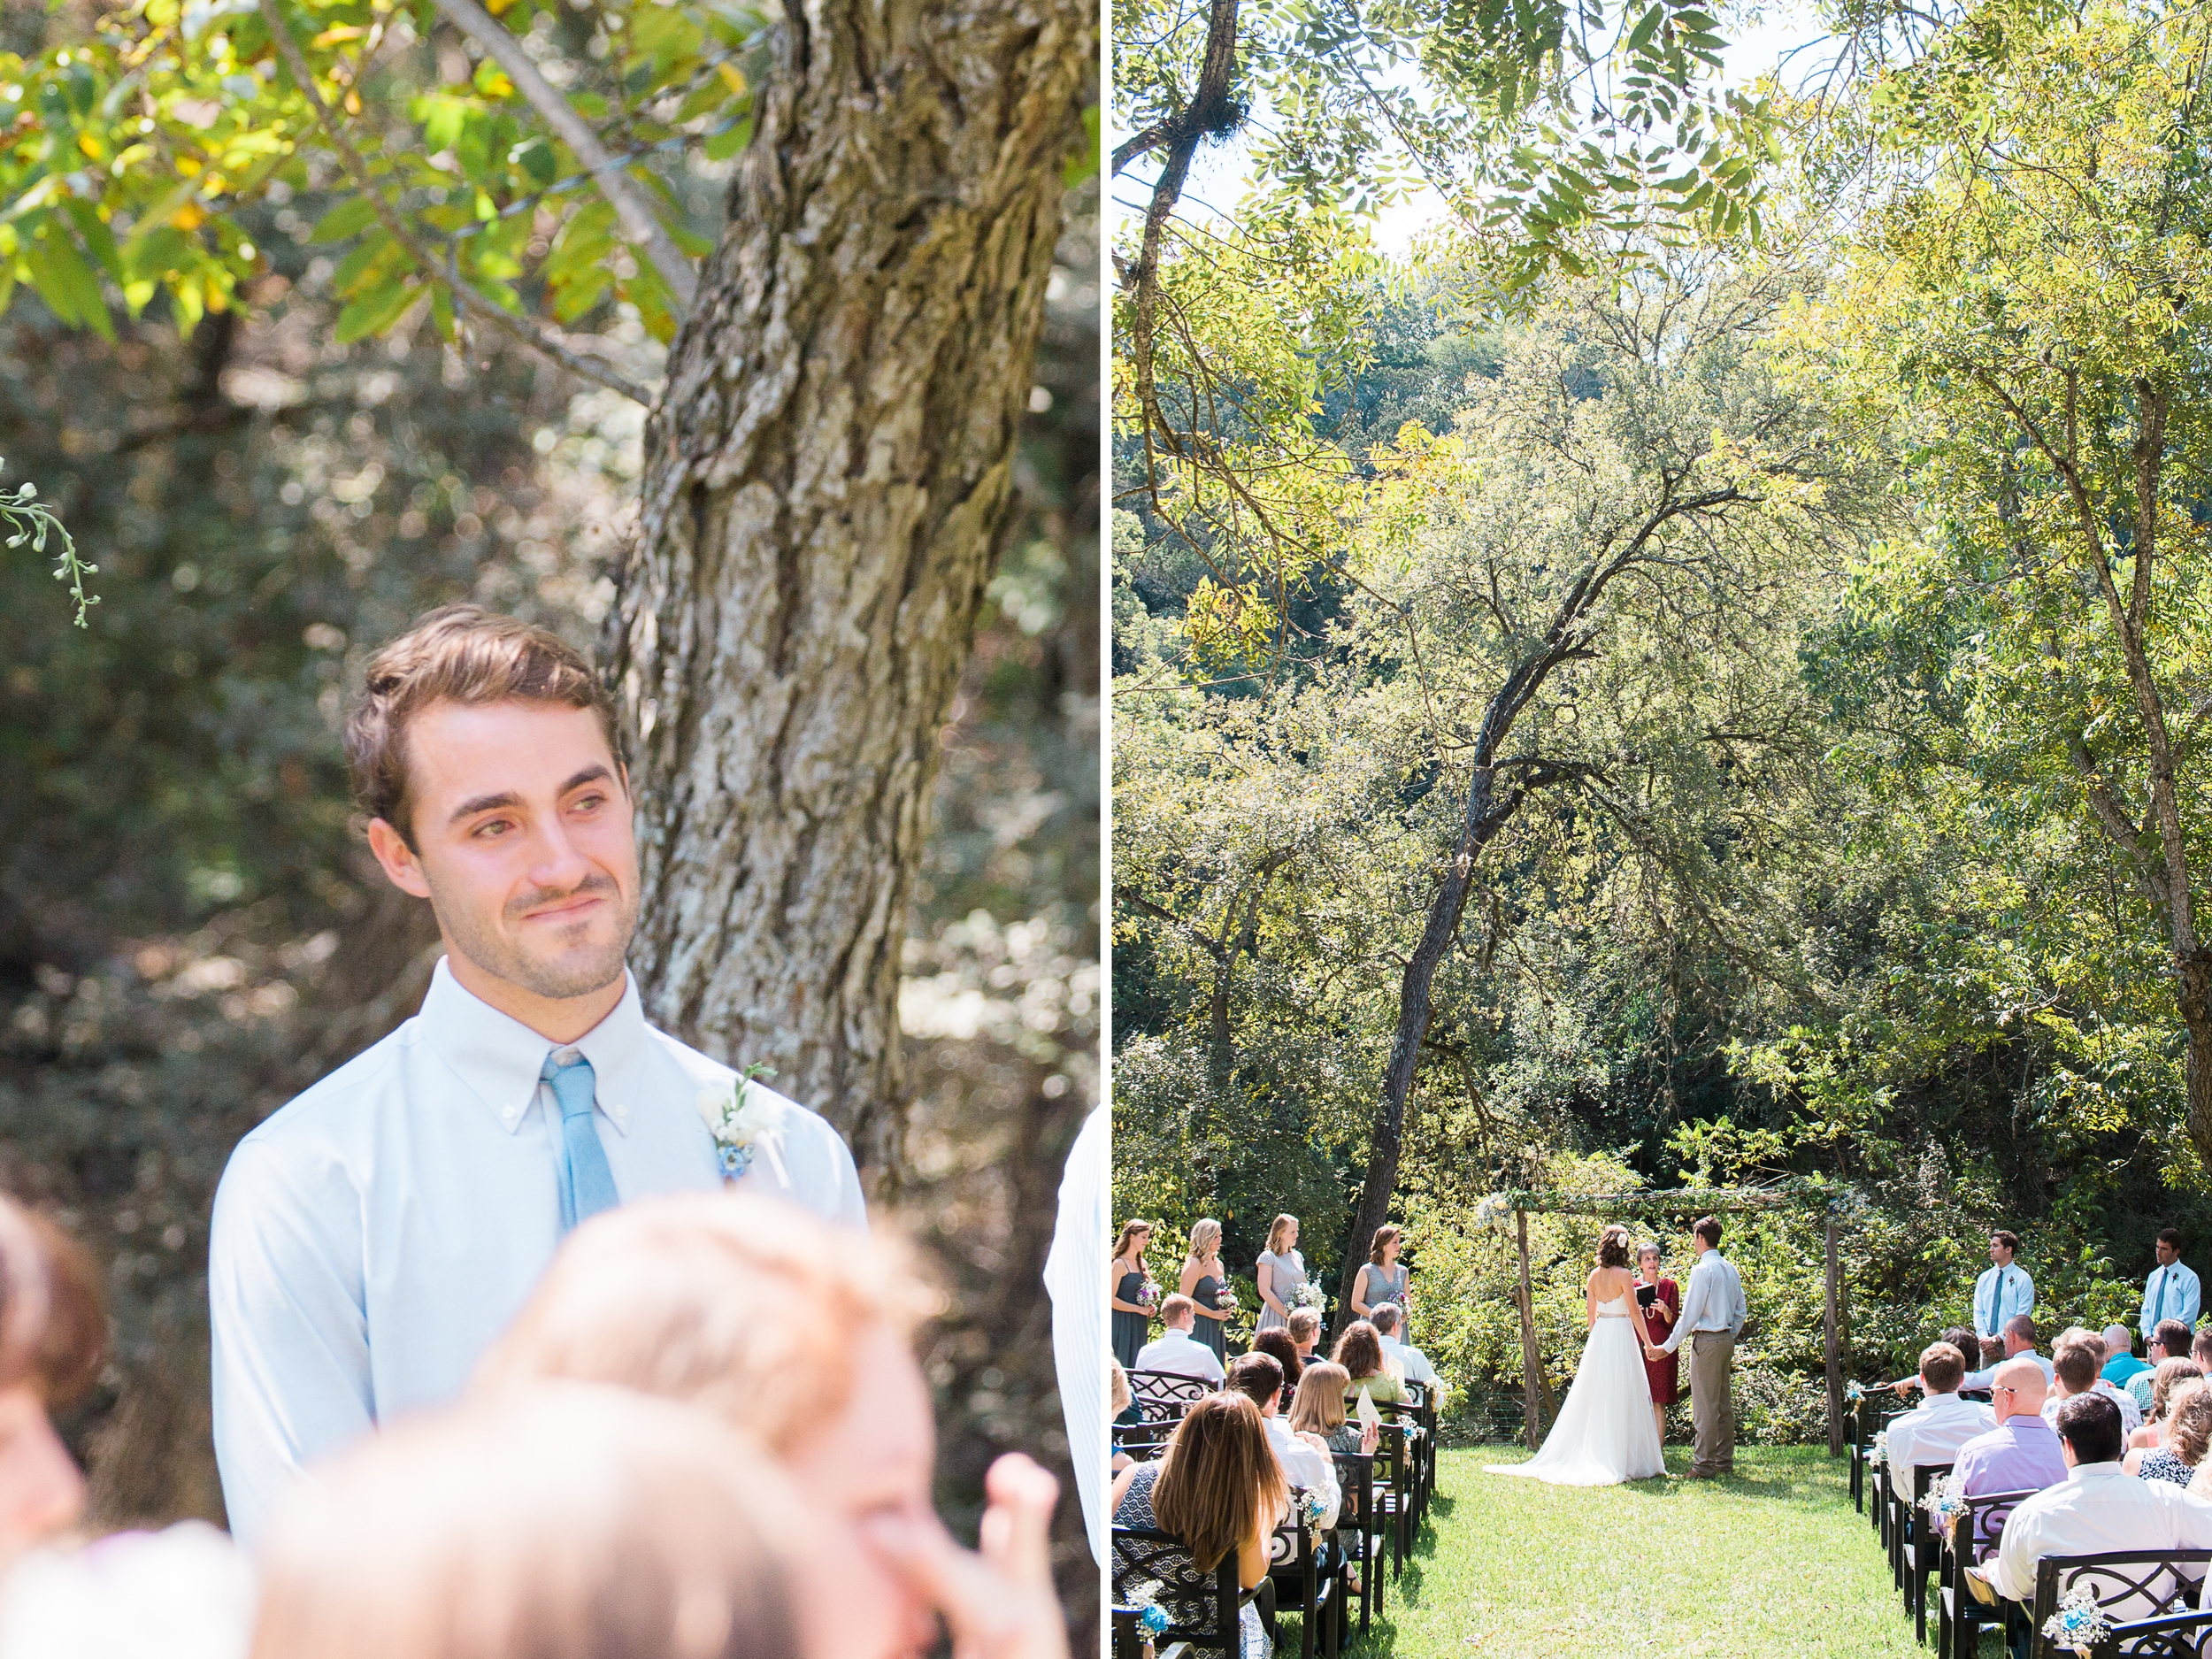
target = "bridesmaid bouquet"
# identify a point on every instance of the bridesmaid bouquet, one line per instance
(1148, 1294)
(1226, 1298)
(1309, 1295)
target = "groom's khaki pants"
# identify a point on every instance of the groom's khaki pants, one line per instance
(1712, 1402)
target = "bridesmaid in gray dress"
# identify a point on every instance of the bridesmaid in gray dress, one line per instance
(1282, 1273)
(1381, 1278)
(1202, 1281)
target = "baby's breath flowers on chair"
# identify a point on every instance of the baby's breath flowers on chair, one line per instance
(2079, 1624)
(1944, 1503)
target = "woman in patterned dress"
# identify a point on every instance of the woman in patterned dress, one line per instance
(1218, 1491)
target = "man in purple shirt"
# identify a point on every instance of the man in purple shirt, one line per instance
(2021, 1453)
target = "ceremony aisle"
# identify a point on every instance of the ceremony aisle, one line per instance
(1773, 1561)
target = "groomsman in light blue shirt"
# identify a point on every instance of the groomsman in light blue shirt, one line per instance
(2005, 1291)
(2172, 1291)
(373, 1238)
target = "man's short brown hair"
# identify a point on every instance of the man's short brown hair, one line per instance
(1942, 1368)
(2078, 1359)
(1177, 1307)
(460, 654)
(1305, 1325)
(746, 1307)
(1258, 1377)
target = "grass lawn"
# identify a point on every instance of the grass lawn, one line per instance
(1774, 1560)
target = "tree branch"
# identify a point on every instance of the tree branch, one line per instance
(288, 48)
(621, 190)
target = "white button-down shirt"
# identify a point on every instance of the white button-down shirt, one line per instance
(373, 1238)
(1303, 1466)
(1931, 1433)
(2098, 1507)
(2000, 1294)
(2171, 1293)
(1412, 1364)
(1713, 1300)
(1181, 1352)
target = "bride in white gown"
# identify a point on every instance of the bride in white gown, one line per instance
(1605, 1432)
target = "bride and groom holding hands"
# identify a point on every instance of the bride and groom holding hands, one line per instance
(1608, 1429)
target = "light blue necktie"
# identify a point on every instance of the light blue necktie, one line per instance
(586, 1183)
(2164, 1274)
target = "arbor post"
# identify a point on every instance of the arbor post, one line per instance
(1528, 1335)
(1835, 1348)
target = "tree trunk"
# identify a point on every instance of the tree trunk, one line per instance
(828, 479)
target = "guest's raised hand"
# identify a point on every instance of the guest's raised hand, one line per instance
(998, 1602)
(1369, 1436)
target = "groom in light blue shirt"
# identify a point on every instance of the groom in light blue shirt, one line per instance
(2172, 1291)
(375, 1236)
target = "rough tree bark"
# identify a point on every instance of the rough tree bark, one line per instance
(828, 479)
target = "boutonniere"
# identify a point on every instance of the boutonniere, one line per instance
(742, 1117)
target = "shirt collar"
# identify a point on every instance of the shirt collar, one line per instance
(2087, 1472)
(499, 1058)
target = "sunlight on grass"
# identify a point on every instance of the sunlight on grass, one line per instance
(1773, 1561)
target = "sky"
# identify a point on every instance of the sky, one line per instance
(1218, 175)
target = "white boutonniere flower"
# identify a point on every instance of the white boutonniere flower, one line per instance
(742, 1117)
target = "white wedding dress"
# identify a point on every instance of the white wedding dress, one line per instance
(1605, 1433)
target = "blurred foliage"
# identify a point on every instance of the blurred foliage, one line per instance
(190, 931)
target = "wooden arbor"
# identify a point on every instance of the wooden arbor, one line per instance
(1687, 1202)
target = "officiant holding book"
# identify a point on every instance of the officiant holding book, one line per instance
(1658, 1303)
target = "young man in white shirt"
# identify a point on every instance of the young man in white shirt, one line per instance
(1176, 1350)
(2098, 1507)
(2171, 1290)
(1934, 1431)
(1259, 1378)
(375, 1236)
(2076, 1357)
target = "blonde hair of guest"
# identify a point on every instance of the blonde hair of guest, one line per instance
(562, 1522)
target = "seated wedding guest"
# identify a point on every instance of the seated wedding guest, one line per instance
(799, 1335)
(2018, 1338)
(2188, 1427)
(2201, 1349)
(1317, 1410)
(2169, 1375)
(185, 1590)
(1305, 1331)
(563, 1522)
(1175, 1349)
(1218, 1491)
(1305, 1460)
(1277, 1343)
(2171, 1291)
(2120, 1363)
(1412, 1364)
(1934, 1431)
(2076, 1357)
(1359, 1350)
(2098, 1507)
(2022, 1453)
(2169, 1340)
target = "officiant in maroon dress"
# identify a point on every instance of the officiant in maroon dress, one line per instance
(1658, 1301)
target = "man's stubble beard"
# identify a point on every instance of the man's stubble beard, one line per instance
(497, 954)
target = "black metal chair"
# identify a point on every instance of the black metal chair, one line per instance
(1960, 1614)
(2147, 1584)
(2170, 1636)
(1918, 1550)
(1166, 1395)
(1862, 1418)
(1143, 1441)
(1356, 1476)
(1202, 1608)
(1305, 1582)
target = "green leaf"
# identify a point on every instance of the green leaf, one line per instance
(97, 236)
(722, 146)
(375, 311)
(347, 219)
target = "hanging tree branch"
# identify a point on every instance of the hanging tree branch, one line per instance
(296, 60)
(624, 193)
